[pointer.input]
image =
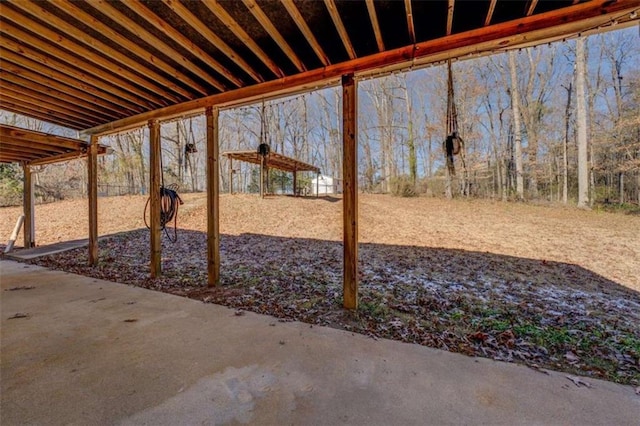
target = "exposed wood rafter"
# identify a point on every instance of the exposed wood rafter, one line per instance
(450, 8)
(306, 31)
(492, 8)
(371, 8)
(532, 7)
(224, 17)
(70, 31)
(342, 31)
(412, 31)
(185, 42)
(268, 26)
(186, 15)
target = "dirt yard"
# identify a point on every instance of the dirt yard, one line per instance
(544, 286)
(605, 243)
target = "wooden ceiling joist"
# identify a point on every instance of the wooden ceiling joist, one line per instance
(50, 72)
(43, 115)
(450, 8)
(153, 19)
(492, 8)
(70, 32)
(306, 31)
(373, 16)
(342, 31)
(83, 74)
(542, 27)
(27, 74)
(35, 101)
(410, 27)
(186, 15)
(36, 91)
(237, 30)
(140, 32)
(532, 7)
(268, 26)
(128, 44)
(36, 148)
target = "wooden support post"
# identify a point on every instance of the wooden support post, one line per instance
(92, 169)
(230, 175)
(155, 151)
(350, 199)
(295, 183)
(28, 207)
(213, 198)
(318, 184)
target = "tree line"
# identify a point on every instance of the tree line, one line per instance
(555, 122)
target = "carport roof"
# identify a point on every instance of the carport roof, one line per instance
(273, 160)
(102, 66)
(37, 148)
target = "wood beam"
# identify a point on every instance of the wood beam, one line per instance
(10, 134)
(492, 8)
(52, 51)
(350, 188)
(268, 26)
(9, 97)
(186, 15)
(14, 156)
(542, 27)
(140, 32)
(29, 100)
(228, 21)
(9, 69)
(92, 190)
(306, 31)
(532, 7)
(40, 114)
(70, 32)
(27, 150)
(412, 31)
(213, 198)
(49, 68)
(450, 8)
(373, 16)
(342, 31)
(175, 35)
(155, 151)
(50, 96)
(28, 207)
(128, 44)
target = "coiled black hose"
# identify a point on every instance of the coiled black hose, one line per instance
(169, 203)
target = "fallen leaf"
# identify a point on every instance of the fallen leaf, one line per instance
(18, 315)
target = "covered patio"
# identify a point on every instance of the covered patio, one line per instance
(108, 67)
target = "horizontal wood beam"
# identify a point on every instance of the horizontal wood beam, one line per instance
(70, 32)
(65, 157)
(268, 26)
(119, 17)
(306, 31)
(10, 70)
(38, 91)
(114, 74)
(49, 68)
(128, 44)
(6, 104)
(175, 35)
(16, 133)
(228, 21)
(186, 15)
(507, 35)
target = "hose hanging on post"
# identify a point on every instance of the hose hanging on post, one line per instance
(169, 203)
(453, 143)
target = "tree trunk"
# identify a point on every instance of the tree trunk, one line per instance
(515, 102)
(565, 160)
(583, 168)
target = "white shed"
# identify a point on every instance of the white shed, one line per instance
(326, 185)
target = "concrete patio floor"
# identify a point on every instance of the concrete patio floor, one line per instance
(77, 350)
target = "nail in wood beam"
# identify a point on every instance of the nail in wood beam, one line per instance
(28, 207)
(213, 198)
(350, 185)
(154, 191)
(92, 173)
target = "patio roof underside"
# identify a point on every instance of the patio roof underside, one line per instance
(37, 148)
(272, 160)
(101, 66)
